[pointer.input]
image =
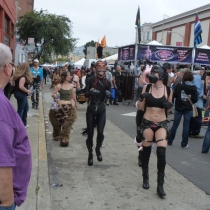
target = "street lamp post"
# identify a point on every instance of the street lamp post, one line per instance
(170, 32)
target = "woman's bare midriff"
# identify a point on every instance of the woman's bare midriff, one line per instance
(60, 102)
(155, 114)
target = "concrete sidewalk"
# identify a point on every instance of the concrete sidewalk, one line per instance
(115, 183)
(38, 196)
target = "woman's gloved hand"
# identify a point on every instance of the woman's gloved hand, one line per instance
(108, 94)
(143, 96)
(167, 105)
(95, 92)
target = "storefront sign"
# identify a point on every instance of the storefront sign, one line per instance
(202, 56)
(126, 53)
(163, 53)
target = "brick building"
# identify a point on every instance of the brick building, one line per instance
(7, 23)
(179, 30)
(23, 6)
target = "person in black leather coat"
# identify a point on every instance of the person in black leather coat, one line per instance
(98, 88)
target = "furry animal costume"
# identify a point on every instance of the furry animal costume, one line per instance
(66, 116)
(55, 124)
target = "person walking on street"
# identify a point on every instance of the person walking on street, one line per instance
(156, 101)
(196, 122)
(109, 77)
(183, 107)
(56, 77)
(66, 114)
(45, 75)
(15, 151)
(22, 79)
(206, 140)
(97, 89)
(37, 75)
(118, 83)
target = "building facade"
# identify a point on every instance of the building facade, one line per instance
(7, 23)
(107, 51)
(146, 33)
(23, 6)
(179, 30)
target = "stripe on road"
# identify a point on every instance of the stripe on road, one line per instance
(131, 114)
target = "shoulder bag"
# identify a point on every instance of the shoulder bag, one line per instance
(195, 112)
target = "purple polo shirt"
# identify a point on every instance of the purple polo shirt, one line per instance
(15, 149)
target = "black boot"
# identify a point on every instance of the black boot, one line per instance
(90, 155)
(99, 143)
(145, 178)
(160, 180)
(98, 154)
(140, 158)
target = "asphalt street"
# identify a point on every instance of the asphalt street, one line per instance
(116, 182)
(190, 162)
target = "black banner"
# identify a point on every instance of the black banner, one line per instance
(126, 53)
(202, 56)
(161, 53)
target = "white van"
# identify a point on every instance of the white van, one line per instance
(87, 63)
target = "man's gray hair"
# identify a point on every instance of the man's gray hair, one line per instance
(5, 55)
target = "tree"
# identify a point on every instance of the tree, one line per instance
(51, 33)
(88, 44)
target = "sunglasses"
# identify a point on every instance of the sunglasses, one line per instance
(12, 64)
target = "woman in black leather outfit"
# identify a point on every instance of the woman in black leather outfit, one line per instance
(97, 89)
(156, 101)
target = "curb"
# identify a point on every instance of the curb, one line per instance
(42, 189)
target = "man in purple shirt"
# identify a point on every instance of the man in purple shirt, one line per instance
(15, 151)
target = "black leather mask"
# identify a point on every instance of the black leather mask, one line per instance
(152, 78)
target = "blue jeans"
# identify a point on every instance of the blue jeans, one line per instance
(196, 123)
(8, 208)
(23, 107)
(186, 123)
(206, 140)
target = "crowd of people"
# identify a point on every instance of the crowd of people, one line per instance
(162, 90)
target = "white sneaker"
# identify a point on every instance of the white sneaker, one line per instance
(186, 147)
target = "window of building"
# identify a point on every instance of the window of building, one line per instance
(144, 36)
(148, 34)
(6, 40)
(13, 31)
(6, 21)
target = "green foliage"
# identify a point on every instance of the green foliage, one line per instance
(88, 44)
(52, 32)
(62, 59)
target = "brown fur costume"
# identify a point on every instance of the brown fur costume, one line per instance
(66, 116)
(55, 124)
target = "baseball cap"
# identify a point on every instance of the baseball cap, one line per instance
(197, 67)
(36, 61)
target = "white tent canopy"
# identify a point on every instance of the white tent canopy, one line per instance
(205, 47)
(79, 63)
(111, 59)
(154, 42)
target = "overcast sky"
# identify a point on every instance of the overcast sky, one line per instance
(92, 19)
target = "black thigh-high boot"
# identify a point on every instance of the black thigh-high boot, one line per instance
(98, 146)
(145, 162)
(90, 155)
(161, 156)
(139, 116)
(140, 158)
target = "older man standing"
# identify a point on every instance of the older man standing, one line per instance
(37, 74)
(15, 151)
